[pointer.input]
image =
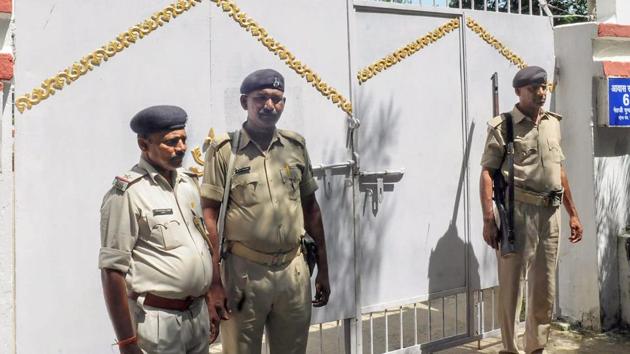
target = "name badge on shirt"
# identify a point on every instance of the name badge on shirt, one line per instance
(157, 212)
(243, 170)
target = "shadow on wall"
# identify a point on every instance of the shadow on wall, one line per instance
(612, 214)
(337, 214)
(378, 134)
(446, 266)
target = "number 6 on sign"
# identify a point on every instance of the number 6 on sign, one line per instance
(626, 100)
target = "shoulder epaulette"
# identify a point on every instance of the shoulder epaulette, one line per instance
(220, 140)
(555, 115)
(122, 183)
(496, 121)
(293, 136)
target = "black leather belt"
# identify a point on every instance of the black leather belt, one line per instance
(165, 303)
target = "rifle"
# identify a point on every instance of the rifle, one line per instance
(505, 206)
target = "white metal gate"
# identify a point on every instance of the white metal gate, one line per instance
(413, 240)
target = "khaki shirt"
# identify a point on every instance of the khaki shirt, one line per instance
(264, 208)
(148, 232)
(537, 151)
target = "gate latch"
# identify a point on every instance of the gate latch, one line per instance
(375, 184)
(353, 125)
(325, 172)
(625, 234)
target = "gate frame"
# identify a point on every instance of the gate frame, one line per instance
(353, 327)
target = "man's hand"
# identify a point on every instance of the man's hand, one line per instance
(576, 229)
(315, 228)
(215, 321)
(569, 205)
(322, 289)
(218, 301)
(131, 349)
(491, 233)
(490, 229)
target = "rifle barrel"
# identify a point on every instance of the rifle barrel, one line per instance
(495, 94)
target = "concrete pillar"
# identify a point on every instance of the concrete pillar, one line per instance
(578, 266)
(598, 160)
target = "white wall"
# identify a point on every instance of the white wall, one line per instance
(7, 279)
(613, 11)
(70, 147)
(612, 214)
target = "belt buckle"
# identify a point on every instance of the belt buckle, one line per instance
(189, 301)
(275, 259)
(546, 200)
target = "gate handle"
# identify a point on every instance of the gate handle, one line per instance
(378, 180)
(326, 173)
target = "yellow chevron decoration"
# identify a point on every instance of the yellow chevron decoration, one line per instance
(197, 155)
(284, 54)
(401, 54)
(88, 62)
(495, 43)
(139, 31)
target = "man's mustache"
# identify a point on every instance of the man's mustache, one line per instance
(178, 156)
(268, 112)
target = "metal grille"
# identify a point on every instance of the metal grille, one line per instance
(525, 7)
(432, 324)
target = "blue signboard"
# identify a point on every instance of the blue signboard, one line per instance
(619, 102)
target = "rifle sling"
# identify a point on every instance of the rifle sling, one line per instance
(509, 155)
(226, 192)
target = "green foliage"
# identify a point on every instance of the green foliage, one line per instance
(570, 7)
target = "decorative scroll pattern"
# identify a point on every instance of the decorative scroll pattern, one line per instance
(197, 155)
(396, 57)
(88, 62)
(500, 47)
(283, 53)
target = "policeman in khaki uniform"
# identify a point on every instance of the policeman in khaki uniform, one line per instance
(271, 205)
(540, 184)
(155, 259)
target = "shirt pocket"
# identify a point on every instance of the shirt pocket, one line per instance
(291, 178)
(166, 231)
(555, 151)
(525, 151)
(244, 189)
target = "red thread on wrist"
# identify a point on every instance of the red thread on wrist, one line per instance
(125, 342)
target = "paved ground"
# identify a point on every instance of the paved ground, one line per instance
(404, 326)
(562, 342)
(615, 342)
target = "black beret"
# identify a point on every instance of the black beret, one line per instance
(158, 118)
(261, 79)
(531, 75)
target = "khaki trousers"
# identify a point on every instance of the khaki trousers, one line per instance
(536, 231)
(162, 331)
(275, 297)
